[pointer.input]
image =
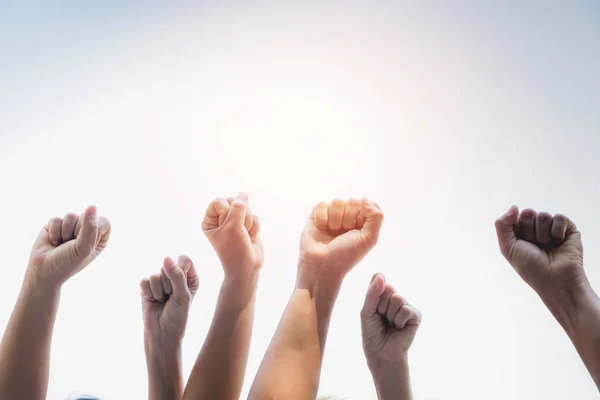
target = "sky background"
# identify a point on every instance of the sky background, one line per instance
(445, 113)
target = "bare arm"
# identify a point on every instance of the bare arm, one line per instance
(292, 365)
(25, 347)
(165, 380)
(577, 309)
(63, 247)
(166, 300)
(337, 236)
(221, 365)
(389, 325)
(547, 252)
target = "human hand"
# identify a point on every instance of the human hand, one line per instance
(337, 236)
(232, 230)
(166, 300)
(545, 251)
(67, 245)
(389, 324)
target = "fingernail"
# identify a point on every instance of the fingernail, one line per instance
(373, 278)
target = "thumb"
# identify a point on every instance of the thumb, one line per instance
(181, 294)
(374, 293)
(373, 220)
(238, 210)
(86, 240)
(505, 229)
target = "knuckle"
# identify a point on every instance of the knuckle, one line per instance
(71, 217)
(239, 205)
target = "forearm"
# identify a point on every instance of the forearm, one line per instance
(25, 346)
(392, 381)
(292, 364)
(578, 312)
(221, 365)
(163, 361)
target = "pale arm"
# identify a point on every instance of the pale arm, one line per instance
(392, 381)
(165, 380)
(292, 365)
(578, 312)
(221, 365)
(25, 346)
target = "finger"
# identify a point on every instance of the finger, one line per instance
(215, 214)
(505, 230)
(559, 227)
(237, 212)
(384, 300)
(167, 288)
(407, 315)
(374, 293)
(527, 224)
(543, 227)
(335, 215)
(249, 219)
(255, 227)
(181, 293)
(157, 289)
(360, 220)
(146, 291)
(373, 221)
(396, 302)
(104, 231)
(67, 231)
(243, 196)
(350, 214)
(54, 228)
(320, 215)
(187, 266)
(86, 241)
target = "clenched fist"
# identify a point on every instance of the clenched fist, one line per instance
(166, 300)
(545, 250)
(67, 245)
(389, 324)
(337, 236)
(233, 230)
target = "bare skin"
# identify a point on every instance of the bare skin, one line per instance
(166, 300)
(337, 236)
(63, 248)
(547, 252)
(232, 230)
(389, 325)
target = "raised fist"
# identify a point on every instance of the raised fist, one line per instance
(67, 245)
(232, 230)
(166, 300)
(389, 324)
(546, 251)
(337, 236)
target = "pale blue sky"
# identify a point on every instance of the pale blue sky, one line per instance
(446, 113)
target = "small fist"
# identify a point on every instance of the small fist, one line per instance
(545, 250)
(337, 236)
(232, 230)
(166, 300)
(67, 245)
(389, 324)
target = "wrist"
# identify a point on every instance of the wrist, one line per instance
(380, 369)
(317, 277)
(569, 303)
(238, 292)
(159, 348)
(39, 288)
(392, 380)
(39, 285)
